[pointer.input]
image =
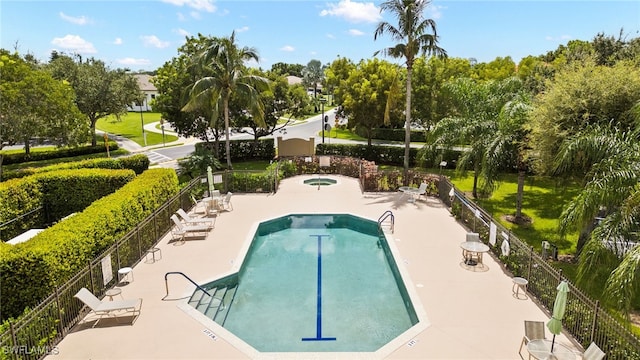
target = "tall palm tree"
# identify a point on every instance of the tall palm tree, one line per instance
(612, 191)
(415, 35)
(224, 61)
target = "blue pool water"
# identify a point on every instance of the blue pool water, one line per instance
(319, 283)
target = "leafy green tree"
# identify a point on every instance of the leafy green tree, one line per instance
(474, 122)
(226, 74)
(611, 192)
(498, 69)
(35, 105)
(580, 96)
(281, 68)
(336, 76)
(173, 81)
(100, 91)
(312, 75)
(414, 35)
(430, 101)
(366, 95)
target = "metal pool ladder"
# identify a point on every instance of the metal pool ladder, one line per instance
(388, 216)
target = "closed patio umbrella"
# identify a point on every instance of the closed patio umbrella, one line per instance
(210, 180)
(555, 324)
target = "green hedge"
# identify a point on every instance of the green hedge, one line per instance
(388, 155)
(28, 271)
(137, 163)
(57, 193)
(17, 158)
(393, 134)
(262, 149)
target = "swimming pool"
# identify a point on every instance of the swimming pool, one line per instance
(314, 283)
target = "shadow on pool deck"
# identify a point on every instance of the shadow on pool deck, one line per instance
(472, 313)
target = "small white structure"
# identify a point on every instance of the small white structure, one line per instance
(148, 89)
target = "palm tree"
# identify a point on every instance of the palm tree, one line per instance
(415, 35)
(224, 61)
(475, 124)
(611, 157)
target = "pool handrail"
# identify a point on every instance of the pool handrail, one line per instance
(166, 282)
(384, 216)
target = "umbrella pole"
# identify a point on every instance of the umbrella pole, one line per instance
(553, 342)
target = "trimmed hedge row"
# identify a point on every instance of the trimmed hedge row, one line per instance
(393, 134)
(18, 158)
(28, 271)
(262, 149)
(138, 163)
(57, 193)
(388, 155)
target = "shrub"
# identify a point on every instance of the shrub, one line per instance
(137, 163)
(28, 271)
(18, 158)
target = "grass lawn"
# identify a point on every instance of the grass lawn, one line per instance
(130, 127)
(543, 201)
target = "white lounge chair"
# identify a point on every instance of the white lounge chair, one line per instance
(109, 308)
(199, 205)
(415, 194)
(593, 352)
(188, 220)
(180, 231)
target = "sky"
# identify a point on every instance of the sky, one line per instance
(143, 35)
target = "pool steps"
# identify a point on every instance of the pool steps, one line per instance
(215, 307)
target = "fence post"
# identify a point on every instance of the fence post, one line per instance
(530, 262)
(139, 241)
(595, 318)
(61, 326)
(91, 277)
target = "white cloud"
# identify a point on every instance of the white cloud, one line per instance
(331, 36)
(201, 5)
(183, 32)
(153, 41)
(433, 12)
(75, 44)
(242, 29)
(132, 61)
(288, 48)
(78, 20)
(195, 15)
(117, 41)
(355, 32)
(181, 16)
(353, 11)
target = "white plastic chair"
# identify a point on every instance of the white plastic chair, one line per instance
(533, 330)
(188, 220)
(593, 352)
(180, 230)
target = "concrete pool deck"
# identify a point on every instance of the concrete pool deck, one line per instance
(471, 311)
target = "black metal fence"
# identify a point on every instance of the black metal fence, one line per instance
(35, 334)
(584, 318)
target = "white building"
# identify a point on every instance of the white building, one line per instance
(148, 89)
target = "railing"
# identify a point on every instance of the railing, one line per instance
(166, 282)
(584, 318)
(35, 334)
(387, 214)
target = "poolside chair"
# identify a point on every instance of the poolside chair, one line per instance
(226, 202)
(188, 220)
(109, 308)
(533, 330)
(469, 255)
(415, 194)
(593, 352)
(180, 231)
(198, 205)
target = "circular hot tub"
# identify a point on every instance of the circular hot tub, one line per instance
(320, 182)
